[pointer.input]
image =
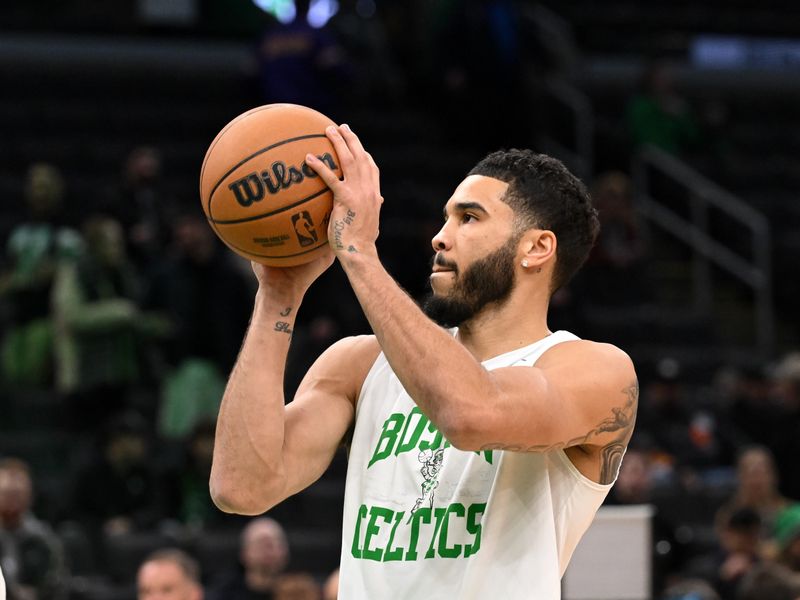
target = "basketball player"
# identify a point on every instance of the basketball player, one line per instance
(532, 425)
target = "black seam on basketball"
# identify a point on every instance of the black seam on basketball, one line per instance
(234, 247)
(273, 212)
(214, 143)
(252, 156)
(219, 137)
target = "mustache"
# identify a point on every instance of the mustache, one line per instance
(440, 261)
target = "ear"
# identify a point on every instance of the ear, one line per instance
(538, 248)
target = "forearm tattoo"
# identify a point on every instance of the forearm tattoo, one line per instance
(620, 421)
(284, 326)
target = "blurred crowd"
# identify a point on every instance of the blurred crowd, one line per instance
(129, 313)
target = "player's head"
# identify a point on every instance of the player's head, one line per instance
(169, 574)
(544, 195)
(514, 208)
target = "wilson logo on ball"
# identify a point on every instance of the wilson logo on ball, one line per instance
(253, 186)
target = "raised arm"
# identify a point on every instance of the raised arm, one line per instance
(266, 450)
(580, 394)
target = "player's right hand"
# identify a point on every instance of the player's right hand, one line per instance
(292, 281)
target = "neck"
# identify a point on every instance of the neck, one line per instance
(498, 329)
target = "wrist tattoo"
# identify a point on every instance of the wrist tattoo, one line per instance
(285, 312)
(283, 327)
(338, 228)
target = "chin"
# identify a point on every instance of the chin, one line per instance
(441, 289)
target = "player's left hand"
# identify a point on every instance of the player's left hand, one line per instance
(357, 197)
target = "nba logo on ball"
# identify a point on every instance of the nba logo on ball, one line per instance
(257, 192)
(304, 228)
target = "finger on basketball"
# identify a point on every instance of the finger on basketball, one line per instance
(375, 171)
(328, 176)
(342, 150)
(355, 145)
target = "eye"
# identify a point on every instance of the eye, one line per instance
(467, 218)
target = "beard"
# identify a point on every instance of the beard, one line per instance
(488, 280)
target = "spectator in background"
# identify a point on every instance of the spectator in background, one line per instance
(658, 115)
(31, 555)
(99, 329)
(169, 574)
(187, 484)
(36, 249)
(143, 207)
(203, 294)
(617, 259)
(264, 555)
(787, 537)
(770, 582)
(739, 533)
(757, 487)
(297, 586)
(119, 490)
(330, 590)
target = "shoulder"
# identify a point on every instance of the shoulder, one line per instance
(348, 361)
(597, 358)
(358, 348)
(597, 375)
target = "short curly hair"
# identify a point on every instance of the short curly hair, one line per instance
(545, 195)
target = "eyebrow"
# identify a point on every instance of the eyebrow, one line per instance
(464, 206)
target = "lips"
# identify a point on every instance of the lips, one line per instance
(440, 265)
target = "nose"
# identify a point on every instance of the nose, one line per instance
(441, 240)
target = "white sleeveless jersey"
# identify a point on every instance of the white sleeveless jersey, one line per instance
(425, 521)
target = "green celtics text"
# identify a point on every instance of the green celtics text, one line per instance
(452, 531)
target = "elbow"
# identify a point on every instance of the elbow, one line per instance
(242, 498)
(462, 431)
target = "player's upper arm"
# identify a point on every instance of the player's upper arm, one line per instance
(579, 394)
(323, 409)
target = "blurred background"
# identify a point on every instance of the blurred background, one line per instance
(121, 313)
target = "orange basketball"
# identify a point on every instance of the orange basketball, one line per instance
(257, 192)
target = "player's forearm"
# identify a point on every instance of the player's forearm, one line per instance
(439, 374)
(247, 472)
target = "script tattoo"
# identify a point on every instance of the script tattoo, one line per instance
(339, 227)
(285, 312)
(620, 421)
(283, 327)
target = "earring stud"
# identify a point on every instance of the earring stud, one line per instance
(525, 263)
